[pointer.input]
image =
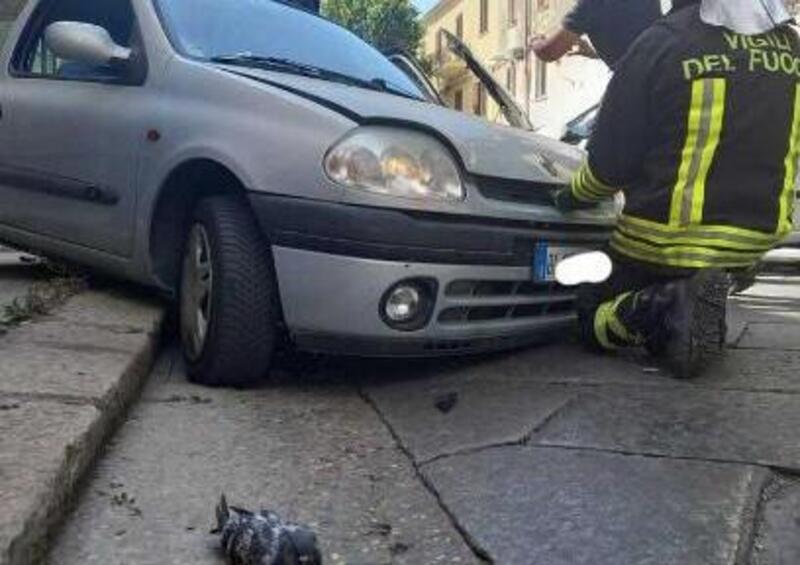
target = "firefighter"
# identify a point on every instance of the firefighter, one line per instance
(611, 25)
(700, 129)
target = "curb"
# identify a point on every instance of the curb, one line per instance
(66, 381)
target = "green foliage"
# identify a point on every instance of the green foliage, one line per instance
(386, 24)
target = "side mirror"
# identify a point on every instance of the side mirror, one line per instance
(84, 43)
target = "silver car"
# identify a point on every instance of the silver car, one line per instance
(278, 176)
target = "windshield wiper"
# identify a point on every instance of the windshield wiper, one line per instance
(385, 86)
(283, 65)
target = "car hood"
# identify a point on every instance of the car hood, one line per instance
(485, 149)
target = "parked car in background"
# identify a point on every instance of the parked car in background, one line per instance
(578, 130)
(275, 185)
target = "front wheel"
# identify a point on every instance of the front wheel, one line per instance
(228, 296)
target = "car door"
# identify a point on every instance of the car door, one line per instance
(75, 133)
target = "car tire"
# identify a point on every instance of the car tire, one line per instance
(228, 302)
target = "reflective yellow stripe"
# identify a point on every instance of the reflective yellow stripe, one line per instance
(687, 256)
(598, 184)
(582, 191)
(787, 200)
(700, 236)
(618, 327)
(693, 250)
(588, 188)
(688, 153)
(606, 319)
(704, 127)
(601, 325)
(729, 232)
(718, 87)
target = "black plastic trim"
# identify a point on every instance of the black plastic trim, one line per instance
(63, 187)
(402, 235)
(421, 347)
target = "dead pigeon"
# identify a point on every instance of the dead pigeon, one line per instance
(262, 538)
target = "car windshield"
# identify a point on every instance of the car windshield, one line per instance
(273, 35)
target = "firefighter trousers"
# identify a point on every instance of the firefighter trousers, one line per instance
(627, 308)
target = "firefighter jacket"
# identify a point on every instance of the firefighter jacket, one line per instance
(700, 128)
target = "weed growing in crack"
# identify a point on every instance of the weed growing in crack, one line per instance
(43, 297)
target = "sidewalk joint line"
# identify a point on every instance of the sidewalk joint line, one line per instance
(480, 553)
(669, 387)
(650, 455)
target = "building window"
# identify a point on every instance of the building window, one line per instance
(511, 79)
(512, 13)
(460, 26)
(484, 18)
(541, 79)
(458, 100)
(543, 4)
(480, 100)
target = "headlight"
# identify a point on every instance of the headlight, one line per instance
(395, 162)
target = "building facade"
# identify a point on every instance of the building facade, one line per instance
(499, 32)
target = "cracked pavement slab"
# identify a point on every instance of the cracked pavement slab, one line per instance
(759, 428)
(59, 400)
(41, 446)
(489, 410)
(756, 370)
(778, 534)
(547, 455)
(568, 507)
(314, 453)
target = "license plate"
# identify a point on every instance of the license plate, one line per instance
(547, 256)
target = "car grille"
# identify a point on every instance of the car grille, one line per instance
(473, 301)
(522, 192)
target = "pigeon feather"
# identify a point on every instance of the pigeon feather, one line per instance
(263, 538)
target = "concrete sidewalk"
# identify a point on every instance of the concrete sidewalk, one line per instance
(65, 380)
(603, 460)
(547, 456)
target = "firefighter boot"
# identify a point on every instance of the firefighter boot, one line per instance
(681, 322)
(695, 325)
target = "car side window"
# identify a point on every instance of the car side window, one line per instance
(34, 58)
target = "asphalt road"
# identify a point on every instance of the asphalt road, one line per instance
(546, 456)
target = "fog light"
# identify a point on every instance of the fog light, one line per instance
(408, 305)
(402, 304)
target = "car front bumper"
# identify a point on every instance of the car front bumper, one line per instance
(793, 240)
(336, 263)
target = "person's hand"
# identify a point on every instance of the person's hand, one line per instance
(565, 202)
(537, 38)
(537, 41)
(583, 48)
